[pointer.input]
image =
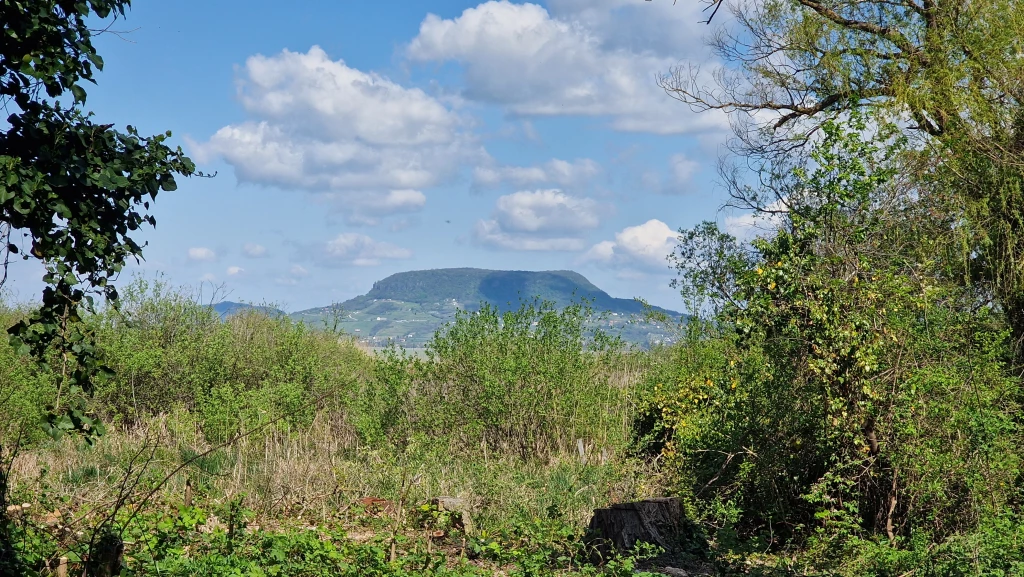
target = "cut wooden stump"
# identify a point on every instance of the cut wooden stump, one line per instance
(461, 509)
(623, 525)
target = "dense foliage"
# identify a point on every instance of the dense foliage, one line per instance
(845, 400)
(948, 71)
(71, 191)
(529, 381)
(851, 394)
(286, 423)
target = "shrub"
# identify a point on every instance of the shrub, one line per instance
(529, 382)
(846, 391)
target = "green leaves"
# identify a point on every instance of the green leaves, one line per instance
(74, 188)
(842, 368)
(48, 43)
(74, 420)
(79, 93)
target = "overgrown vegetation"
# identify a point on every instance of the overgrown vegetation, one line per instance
(845, 399)
(302, 431)
(854, 401)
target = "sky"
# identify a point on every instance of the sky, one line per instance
(354, 140)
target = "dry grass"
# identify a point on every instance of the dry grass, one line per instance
(316, 474)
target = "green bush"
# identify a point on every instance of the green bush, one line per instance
(846, 397)
(24, 391)
(169, 352)
(530, 382)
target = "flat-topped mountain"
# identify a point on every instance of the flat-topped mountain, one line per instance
(501, 288)
(410, 306)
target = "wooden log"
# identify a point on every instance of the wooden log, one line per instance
(623, 525)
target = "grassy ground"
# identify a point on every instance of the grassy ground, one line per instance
(318, 481)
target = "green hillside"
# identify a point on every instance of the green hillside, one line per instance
(501, 288)
(408, 307)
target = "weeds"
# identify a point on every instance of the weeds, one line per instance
(279, 433)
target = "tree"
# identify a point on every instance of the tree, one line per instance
(72, 192)
(950, 70)
(934, 61)
(848, 394)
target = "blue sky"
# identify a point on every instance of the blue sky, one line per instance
(353, 140)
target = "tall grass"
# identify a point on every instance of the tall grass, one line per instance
(520, 414)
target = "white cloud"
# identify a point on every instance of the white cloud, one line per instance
(489, 232)
(559, 172)
(668, 29)
(295, 272)
(369, 207)
(542, 220)
(753, 224)
(208, 277)
(253, 250)
(644, 246)
(235, 270)
(681, 170)
(201, 254)
(519, 56)
(320, 125)
(546, 211)
(603, 251)
(350, 248)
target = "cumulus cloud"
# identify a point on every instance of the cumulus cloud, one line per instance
(541, 220)
(318, 124)
(369, 207)
(201, 254)
(670, 29)
(753, 224)
(350, 248)
(253, 250)
(523, 58)
(298, 270)
(235, 270)
(558, 172)
(645, 246)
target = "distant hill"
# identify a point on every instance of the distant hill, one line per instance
(501, 288)
(228, 308)
(410, 306)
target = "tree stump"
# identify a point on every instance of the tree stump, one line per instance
(106, 556)
(461, 509)
(623, 525)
